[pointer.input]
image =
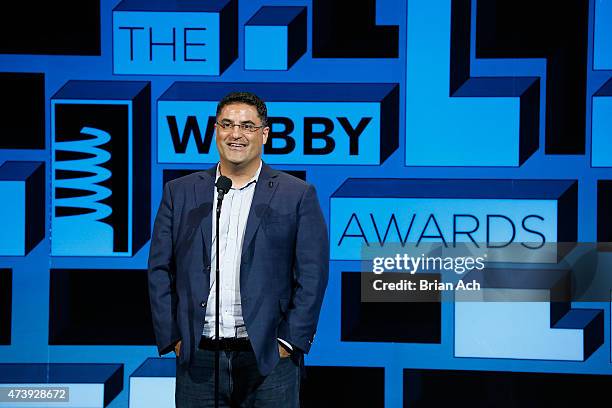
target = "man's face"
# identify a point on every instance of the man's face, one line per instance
(236, 146)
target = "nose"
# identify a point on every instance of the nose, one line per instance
(236, 131)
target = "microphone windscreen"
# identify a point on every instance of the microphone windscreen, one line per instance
(224, 184)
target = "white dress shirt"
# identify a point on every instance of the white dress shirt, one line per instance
(232, 224)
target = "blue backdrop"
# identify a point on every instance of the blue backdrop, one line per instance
(403, 114)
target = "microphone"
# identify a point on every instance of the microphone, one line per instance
(223, 185)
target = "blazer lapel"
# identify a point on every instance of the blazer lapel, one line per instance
(264, 190)
(204, 196)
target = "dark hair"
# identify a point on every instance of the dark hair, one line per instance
(248, 99)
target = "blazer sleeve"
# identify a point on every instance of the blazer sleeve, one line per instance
(161, 277)
(311, 270)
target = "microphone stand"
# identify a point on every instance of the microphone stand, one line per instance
(223, 185)
(217, 343)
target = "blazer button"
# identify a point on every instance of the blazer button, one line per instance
(207, 269)
(203, 304)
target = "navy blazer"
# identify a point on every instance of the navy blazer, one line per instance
(283, 272)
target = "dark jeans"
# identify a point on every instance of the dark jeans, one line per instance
(240, 384)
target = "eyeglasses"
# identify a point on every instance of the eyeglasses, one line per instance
(244, 127)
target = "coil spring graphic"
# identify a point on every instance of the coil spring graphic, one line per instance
(89, 183)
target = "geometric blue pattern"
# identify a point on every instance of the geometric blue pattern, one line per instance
(174, 37)
(601, 115)
(22, 187)
(100, 145)
(89, 385)
(153, 383)
(311, 123)
(601, 129)
(283, 30)
(372, 212)
(422, 128)
(275, 37)
(602, 33)
(518, 330)
(480, 124)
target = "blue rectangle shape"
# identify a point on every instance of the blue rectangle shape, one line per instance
(601, 131)
(101, 111)
(605, 90)
(171, 5)
(156, 367)
(454, 188)
(602, 35)
(360, 226)
(100, 90)
(108, 375)
(275, 16)
(178, 121)
(13, 218)
(601, 128)
(309, 123)
(275, 56)
(493, 211)
(443, 129)
(174, 39)
(23, 215)
(495, 86)
(578, 318)
(278, 91)
(53, 373)
(17, 170)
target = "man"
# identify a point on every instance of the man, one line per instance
(274, 260)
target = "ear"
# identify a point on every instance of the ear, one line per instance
(265, 132)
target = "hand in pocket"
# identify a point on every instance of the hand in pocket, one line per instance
(282, 352)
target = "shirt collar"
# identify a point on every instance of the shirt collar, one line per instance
(254, 179)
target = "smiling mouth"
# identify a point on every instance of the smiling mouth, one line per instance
(236, 146)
